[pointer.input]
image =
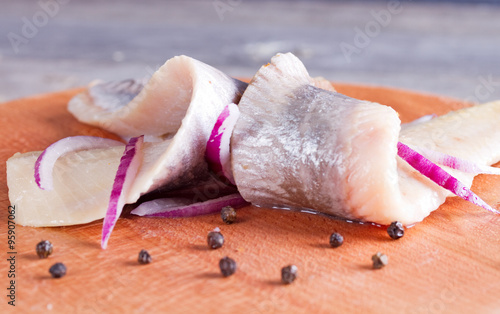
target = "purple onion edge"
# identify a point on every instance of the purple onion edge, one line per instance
(201, 208)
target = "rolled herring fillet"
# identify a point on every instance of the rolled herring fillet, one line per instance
(298, 146)
(178, 107)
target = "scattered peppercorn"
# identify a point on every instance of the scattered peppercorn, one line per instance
(144, 257)
(57, 270)
(215, 239)
(289, 274)
(227, 266)
(336, 239)
(379, 260)
(396, 230)
(228, 214)
(44, 249)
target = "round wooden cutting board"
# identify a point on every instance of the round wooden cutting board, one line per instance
(448, 263)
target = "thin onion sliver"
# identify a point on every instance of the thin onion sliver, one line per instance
(440, 177)
(167, 208)
(218, 154)
(455, 162)
(127, 171)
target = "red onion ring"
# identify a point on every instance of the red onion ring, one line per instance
(45, 163)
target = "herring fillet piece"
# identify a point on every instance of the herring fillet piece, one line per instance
(296, 146)
(471, 133)
(187, 94)
(82, 185)
(181, 101)
(156, 109)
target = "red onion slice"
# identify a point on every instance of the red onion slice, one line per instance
(218, 153)
(125, 175)
(179, 207)
(439, 176)
(45, 163)
(455, 162)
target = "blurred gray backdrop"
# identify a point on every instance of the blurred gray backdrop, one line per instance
(450, 48)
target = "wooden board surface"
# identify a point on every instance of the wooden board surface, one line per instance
(448, 263)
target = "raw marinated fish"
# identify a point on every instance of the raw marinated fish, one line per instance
(298, 146)
(321, 82)
(471, 133)
(82, 186)
(182, 89)
(181, 102)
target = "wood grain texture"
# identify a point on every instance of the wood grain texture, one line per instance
(448, 263)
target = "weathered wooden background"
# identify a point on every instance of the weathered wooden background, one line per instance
(447, 48)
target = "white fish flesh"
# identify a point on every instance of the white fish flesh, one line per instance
(181, 102)
(471, 133)
(182, 89)
(82, 186)
(298, 146)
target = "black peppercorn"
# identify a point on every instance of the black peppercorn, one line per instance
(228, 214)
(215, 239)
(336, 239)
(396, 230)
(57, 270)
(44, 249)
(227, 266)
(289, 274)
(379, 260)
(144, 257)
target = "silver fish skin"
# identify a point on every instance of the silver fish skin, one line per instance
(299, 146)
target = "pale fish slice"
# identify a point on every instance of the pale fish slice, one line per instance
(83, 181)
(82, 186)
(321, 82)
(181, 101)
(298, 146)
(467, 133)
(156, 109)
(471, 133)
